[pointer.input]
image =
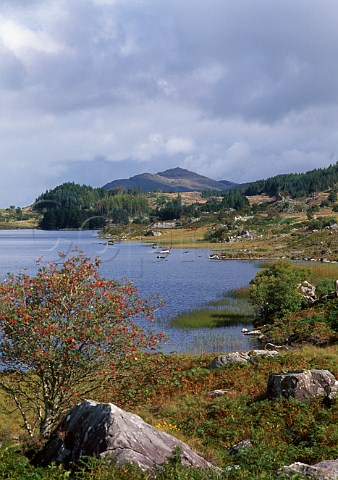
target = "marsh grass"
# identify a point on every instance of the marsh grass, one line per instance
(230, 310)
(211, 318)
(240, 293)
(319, 271)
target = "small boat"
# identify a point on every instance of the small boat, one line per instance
(110, 242)
(165, 251)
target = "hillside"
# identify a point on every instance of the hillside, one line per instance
(172, 180)
(295, 185)
(292, 215)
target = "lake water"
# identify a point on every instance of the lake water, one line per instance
(185, 279)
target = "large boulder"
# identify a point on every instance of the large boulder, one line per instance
(241, 357)
(302, 384)
(326, 470)
(308, 292)
(102, 430)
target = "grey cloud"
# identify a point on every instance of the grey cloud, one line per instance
(249, 86)
(276, 57)
(12, 72)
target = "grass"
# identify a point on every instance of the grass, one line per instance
(9, 219)
(211, 318)
(172, 392)
(322, 271)
(241, 293)
(319, 271)
(232, 309)
(183, 238)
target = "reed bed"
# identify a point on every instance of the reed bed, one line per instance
(230, 310)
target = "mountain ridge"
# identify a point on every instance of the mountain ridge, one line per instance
(172, 180)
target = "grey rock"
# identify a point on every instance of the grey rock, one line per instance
(218, 393)
(253, 354)
(241, 357)
(102, 430)
(222, 360)
(326, 470)
(253, 332)
(308, 293)
(302, 384)
(278, 348)
(238, 447)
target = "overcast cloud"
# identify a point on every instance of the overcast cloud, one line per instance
(94, 90)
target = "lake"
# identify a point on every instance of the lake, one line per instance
(186, 279)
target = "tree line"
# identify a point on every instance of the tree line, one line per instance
(296, 185)
(80, 206)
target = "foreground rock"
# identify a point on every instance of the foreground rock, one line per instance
(302, 384)
(326, 470)
(241, 357)
(102, 430)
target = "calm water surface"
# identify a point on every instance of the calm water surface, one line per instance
(186, 279)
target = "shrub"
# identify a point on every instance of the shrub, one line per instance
(274, 290)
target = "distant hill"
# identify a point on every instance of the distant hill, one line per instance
(172, 180)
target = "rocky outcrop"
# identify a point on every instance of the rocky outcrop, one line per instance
(102, 430)
(302, 384)
(308, 293)
(326, 470)
(241, 357)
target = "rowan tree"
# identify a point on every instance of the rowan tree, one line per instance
(63, 331)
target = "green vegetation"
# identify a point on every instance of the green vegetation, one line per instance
(230, 199)
(275, 294)
(17, 217)
(74, 206)
(317, 271)
(233, 309)
(274, 291)
(296, 184)
(211, 318)
(171, 392)
(317, 325)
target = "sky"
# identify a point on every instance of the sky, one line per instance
(96, 90)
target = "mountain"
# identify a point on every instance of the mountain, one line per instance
(172, 180)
